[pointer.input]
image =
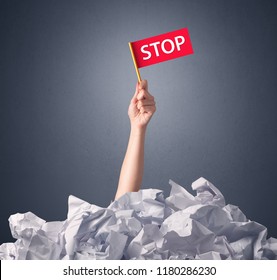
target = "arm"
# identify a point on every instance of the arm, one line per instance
(141, 109)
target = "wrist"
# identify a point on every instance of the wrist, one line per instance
(138, 131)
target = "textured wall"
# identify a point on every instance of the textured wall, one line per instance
(66, 79)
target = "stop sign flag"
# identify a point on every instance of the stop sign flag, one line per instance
(162, 47)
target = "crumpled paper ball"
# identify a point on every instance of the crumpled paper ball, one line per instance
(144, 225)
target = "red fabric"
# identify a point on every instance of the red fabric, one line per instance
(162, 47)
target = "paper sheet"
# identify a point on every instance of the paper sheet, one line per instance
(144, 225)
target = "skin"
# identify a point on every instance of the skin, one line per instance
(141, 109)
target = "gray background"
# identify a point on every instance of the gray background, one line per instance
(66, 79)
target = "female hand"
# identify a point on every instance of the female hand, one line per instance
(142, 106)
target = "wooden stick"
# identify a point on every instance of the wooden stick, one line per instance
(135, 62)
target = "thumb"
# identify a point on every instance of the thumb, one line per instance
(134, 99)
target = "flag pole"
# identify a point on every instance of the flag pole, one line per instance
(135, 62)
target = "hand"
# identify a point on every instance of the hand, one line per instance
(142, 106)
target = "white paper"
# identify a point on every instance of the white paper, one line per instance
(144, 225)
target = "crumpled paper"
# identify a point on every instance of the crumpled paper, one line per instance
(144, 225)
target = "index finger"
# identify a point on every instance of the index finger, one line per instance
(144, 94)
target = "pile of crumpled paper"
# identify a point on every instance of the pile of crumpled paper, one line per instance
(144, 225)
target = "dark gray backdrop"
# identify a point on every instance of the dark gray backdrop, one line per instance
(66, 79)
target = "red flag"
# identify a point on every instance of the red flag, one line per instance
(162, 47)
